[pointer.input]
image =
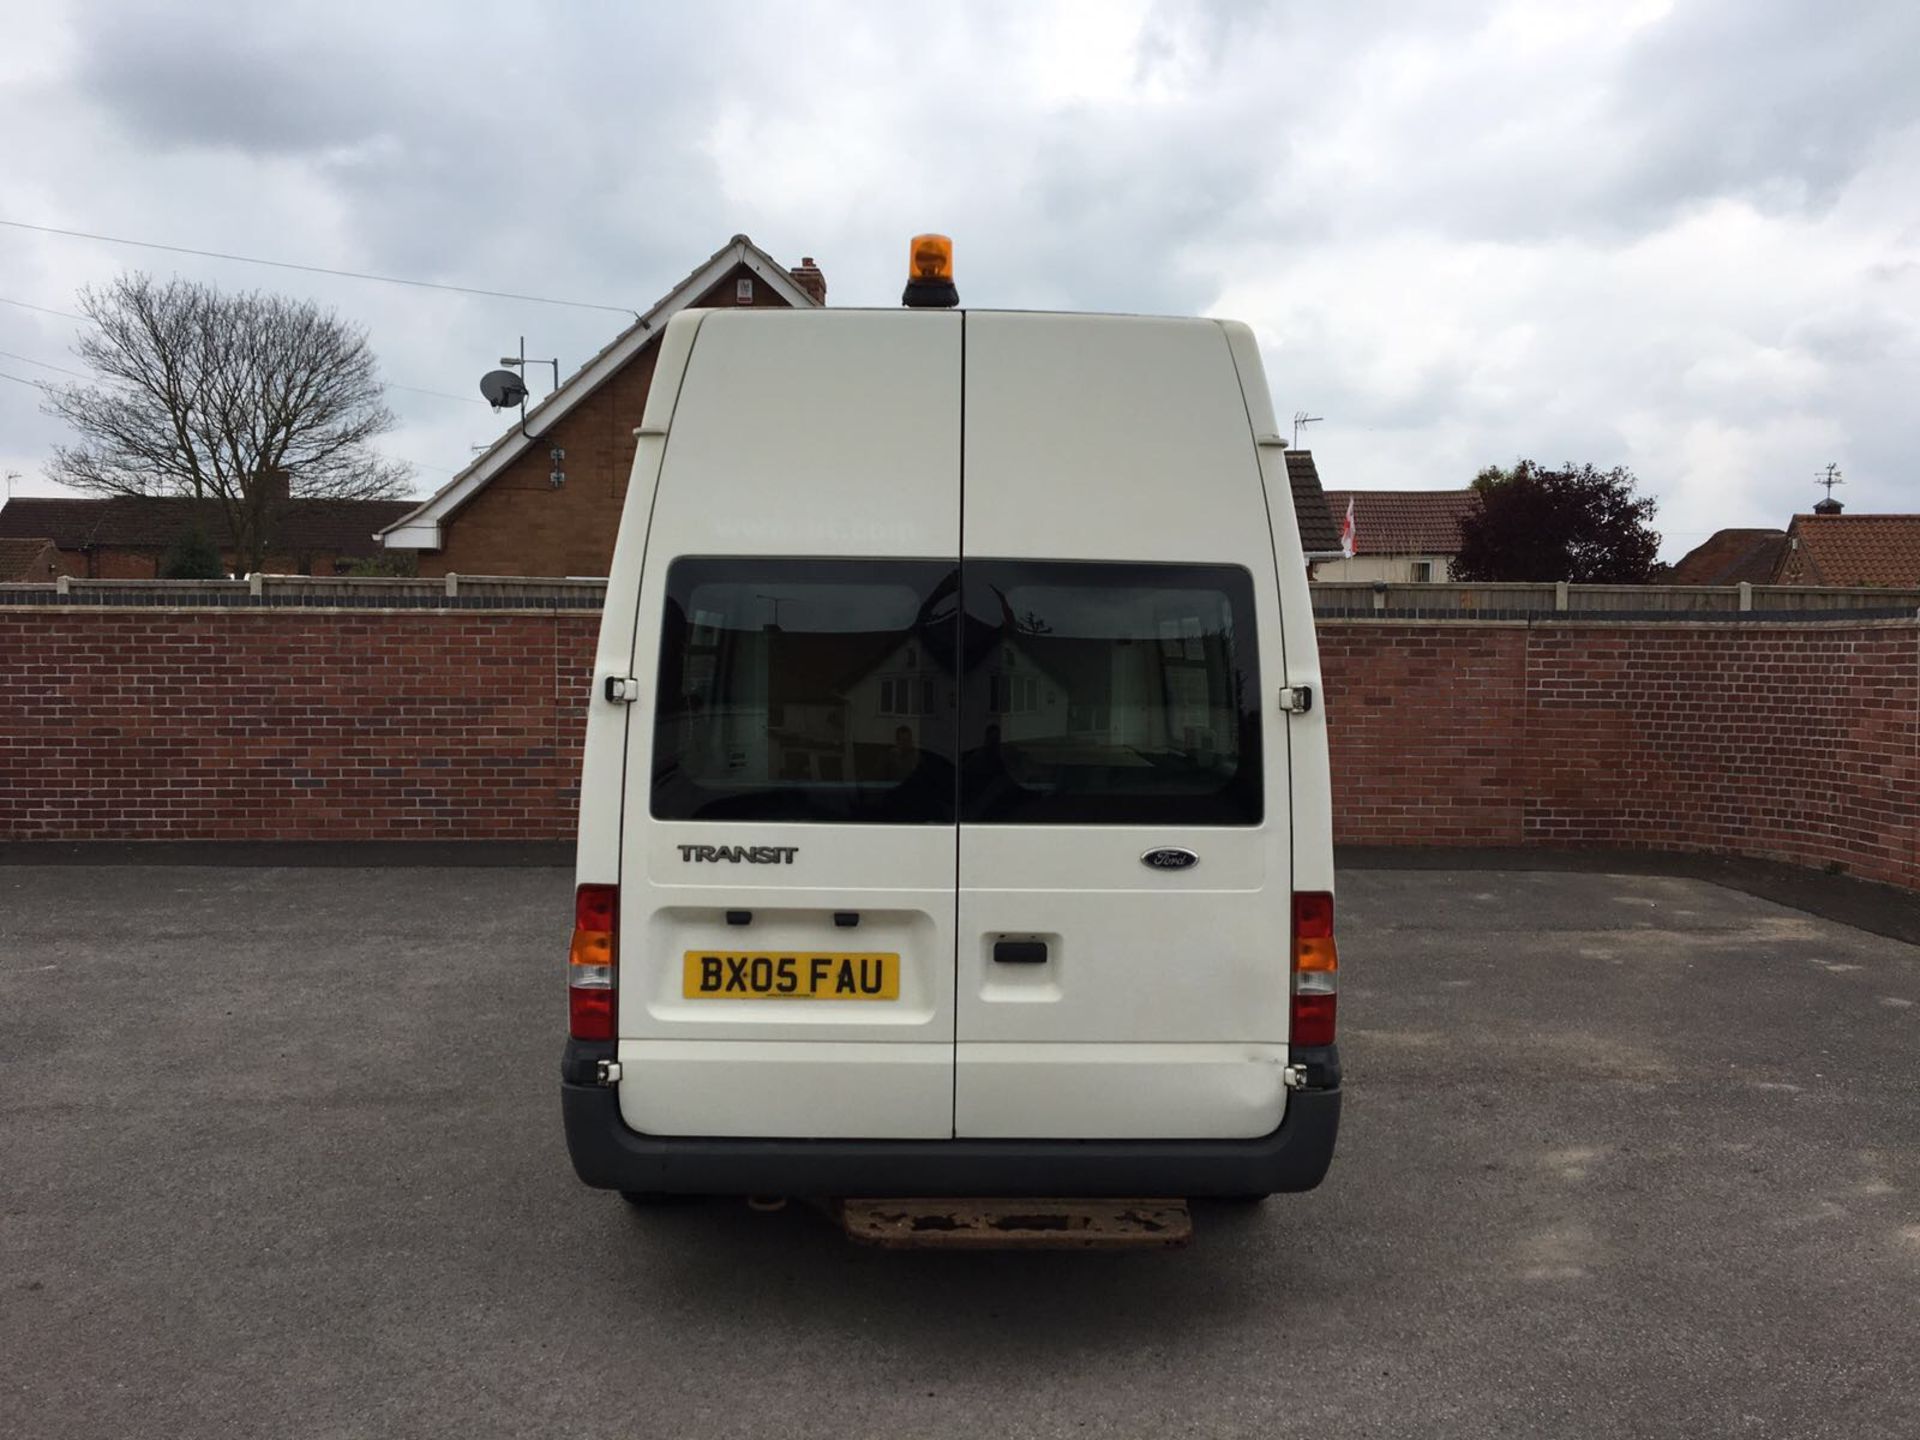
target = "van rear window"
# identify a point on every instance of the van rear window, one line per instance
(807, 690)
(843, 690)
(1109, 694)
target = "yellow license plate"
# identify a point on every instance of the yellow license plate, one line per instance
(807, 975)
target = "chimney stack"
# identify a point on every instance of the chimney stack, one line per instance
(809, 278)
(1828, 506)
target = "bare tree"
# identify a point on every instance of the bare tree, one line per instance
(238, 401)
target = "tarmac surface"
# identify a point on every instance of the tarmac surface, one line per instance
(280, 1154)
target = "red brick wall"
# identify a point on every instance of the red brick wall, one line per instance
(1799, 743)
(290, 725)
(1793, 743)
(1427, 724)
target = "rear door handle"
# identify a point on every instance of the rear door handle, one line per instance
(1020, 952)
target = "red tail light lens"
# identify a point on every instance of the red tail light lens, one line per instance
(1316, 970)
(589, 1013)
(595, 907)
(592, 962)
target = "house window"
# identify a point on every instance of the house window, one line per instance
(1012, 694)
(1422, 572)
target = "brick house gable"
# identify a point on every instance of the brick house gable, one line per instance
(502, 515)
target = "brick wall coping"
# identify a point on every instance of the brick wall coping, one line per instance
(537, 594)
(1518, 604)
(465, 609)
(1802, 620)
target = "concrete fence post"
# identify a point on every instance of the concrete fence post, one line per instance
(256, 584)
(1560, 595)
(1746, 595)
(61, 585)
(453, 584)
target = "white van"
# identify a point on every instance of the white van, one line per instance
(955, 814)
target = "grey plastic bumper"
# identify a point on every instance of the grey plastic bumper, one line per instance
(608, 1155)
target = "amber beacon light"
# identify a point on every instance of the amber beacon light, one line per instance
(930, 274)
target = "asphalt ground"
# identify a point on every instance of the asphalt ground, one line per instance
(280, 1154)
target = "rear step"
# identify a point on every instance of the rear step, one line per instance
(1018, 1224)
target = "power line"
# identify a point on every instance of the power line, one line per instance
(63, 314)
(29, 360)
(317, 269)
(42, 385)
(444, 395)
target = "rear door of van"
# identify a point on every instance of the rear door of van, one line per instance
(789, 845)
(1124, 857)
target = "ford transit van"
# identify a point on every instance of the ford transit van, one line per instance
(955, 815)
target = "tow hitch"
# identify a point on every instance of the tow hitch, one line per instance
(1018, 1224)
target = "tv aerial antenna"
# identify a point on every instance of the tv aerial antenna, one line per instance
(1830, 477)
(504, 388)
(1300, 417)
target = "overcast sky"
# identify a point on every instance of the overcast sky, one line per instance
(1683, 237)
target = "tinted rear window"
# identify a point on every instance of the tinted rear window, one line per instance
(806, 690)
(842, 690)
(1109, 694)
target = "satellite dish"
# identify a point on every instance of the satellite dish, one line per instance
(503, 388)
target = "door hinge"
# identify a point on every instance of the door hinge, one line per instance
(1294, 1077)
(1296, 699)
(622, 689)
(607, 1072)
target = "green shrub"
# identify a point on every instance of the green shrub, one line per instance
(193, 557)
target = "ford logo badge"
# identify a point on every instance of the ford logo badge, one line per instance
(1170, 857)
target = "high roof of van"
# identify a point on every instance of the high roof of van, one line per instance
(877, 431)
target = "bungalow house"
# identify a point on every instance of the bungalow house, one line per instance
(545, 498)
(1398, 535)
(1731, 557)
(127, 537)
(1836, 549)
(1824, 548)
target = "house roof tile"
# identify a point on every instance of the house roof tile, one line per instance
(1728, 557)
(1319, 535)
(1851, 550)
(1402, 522)
(155, 522)
(20, 557)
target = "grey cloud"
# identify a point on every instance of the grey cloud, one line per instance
(1776, 100)
(198, 78)
(574, 153)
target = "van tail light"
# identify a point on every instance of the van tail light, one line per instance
(591, 962)
(1316, 970)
